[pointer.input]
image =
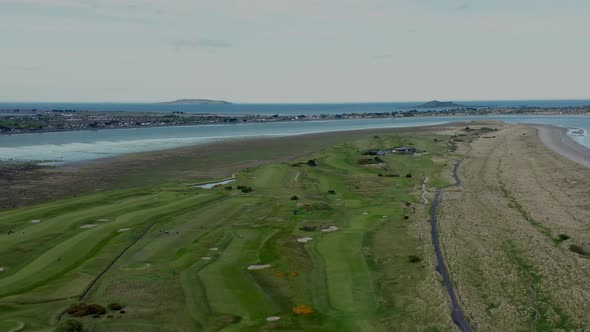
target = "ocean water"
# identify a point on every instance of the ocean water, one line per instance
(282, 109)
(73, 146)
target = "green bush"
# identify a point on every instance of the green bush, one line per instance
(414, 259)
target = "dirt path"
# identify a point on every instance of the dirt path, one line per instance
(457, 314)
(424, 192)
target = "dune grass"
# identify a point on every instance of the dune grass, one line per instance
(187, 269)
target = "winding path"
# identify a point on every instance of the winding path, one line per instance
(457, 314)
(424, 192)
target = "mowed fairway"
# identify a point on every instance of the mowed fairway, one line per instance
(322, 248)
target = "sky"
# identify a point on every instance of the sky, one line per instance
(284, 51)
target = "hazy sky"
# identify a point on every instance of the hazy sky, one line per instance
(294, 50)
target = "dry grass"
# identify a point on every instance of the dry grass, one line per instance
(503, 233)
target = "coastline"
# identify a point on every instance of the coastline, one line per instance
(557, 140)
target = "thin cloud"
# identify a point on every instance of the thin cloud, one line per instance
(198, 43)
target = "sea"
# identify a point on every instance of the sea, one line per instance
(55, 148)
(282, 109)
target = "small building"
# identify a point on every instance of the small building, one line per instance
(405, 150)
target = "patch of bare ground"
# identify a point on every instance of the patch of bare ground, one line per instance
(507, 232)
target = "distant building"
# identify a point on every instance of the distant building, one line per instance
(405, 150)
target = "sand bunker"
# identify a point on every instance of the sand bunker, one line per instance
(214, 249)
(329, 229)
(206, 258)
(88, 226)
(137, 266)
(1, 269)
(124, 229)
(365, 213)
(103, 220)
(304, 239)
(272, 318)
(259, 267)
(35, 221)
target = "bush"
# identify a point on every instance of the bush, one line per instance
(83, 309)
(70, 325)
(414, 259)
(577, 249)
(294, 198)
(245, 189)
(562, 237)
(303, 310)
(311, 163)
(115, 306)
(229, 188)
(308, 228)
(332, 192)
(408, 175)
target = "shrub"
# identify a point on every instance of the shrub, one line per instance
(115, 306)
(379, 174)
(562, 237)
(311, 163)
(302, 310)
(245, 189)
(406, 217)
(229, 188)
(70, 325)
(294, 198)
(414, 259)
(408, 175)
(308, 228)
(332, 192)
(83, 309)
(577, 249)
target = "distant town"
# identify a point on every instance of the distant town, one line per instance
(16, 121)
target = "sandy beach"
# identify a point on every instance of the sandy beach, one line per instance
(556, 139)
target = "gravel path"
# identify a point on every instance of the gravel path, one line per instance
(457, 314)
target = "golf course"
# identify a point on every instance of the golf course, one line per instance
(335, 241)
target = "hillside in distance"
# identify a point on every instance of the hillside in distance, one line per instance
(439, 104)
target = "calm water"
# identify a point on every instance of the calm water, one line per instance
(63, 147)
(282, 109)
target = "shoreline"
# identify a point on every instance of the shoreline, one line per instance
(557, 140)
(286, 119)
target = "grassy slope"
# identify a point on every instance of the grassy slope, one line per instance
(357, 278)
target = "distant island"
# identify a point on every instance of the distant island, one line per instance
(197, 102)
(439, 104)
